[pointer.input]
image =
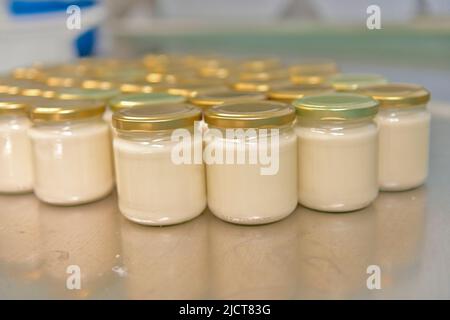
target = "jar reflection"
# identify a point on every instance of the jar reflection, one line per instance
(19, 236)
(85, 236)
(252, 262)
(334, 252)
(400, 221)
(165, 263)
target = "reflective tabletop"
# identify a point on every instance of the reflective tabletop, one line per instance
(400, 242)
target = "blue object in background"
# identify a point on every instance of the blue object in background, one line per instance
(85, 44)
(24, 7)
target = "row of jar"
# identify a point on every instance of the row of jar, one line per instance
(329, 155)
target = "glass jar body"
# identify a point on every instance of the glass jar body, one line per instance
(16, 165)
(154, 188)
(403, 147)
(337, 164)
(251, 177)
(72, 161)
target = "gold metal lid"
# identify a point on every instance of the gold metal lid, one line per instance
(397, 95)
(99, 83)
(167, 76)
(63, 81)
(25, 87)
(142, 87)
(140, 99)
(85, 94)
(214, 72)
(353, 81)
(293, 92)
(29, 73)
(65, 75)
(257, 85)
(259, 114)
(189, 90)
(12, 105)
(260, 64)
(336, 106)
(156, 117)
(211, 99)
(65, 110)
(310, 77)
(265, 75)
(315, 65)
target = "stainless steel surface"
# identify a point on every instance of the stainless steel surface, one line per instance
(308, 255)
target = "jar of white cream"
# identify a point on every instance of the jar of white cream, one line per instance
(160, 181)
(71, 151)
(16, 166)
(251, 157)
(337, 151)
(404, 124)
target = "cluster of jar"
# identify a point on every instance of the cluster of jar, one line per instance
(341, 137)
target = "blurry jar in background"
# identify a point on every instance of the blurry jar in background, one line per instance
(208, 100)
(16, 165)
(292, 92)
(314, 65)
(345, 82)
(404, 125)
(124, 101)
(71, 151)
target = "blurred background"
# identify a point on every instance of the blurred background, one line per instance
(412, 45)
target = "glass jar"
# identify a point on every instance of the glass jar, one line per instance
(251, 158)
(345, 82)
(404, 124)
(337, 151)
(16, 166)
(71, 150)
(154, 186)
